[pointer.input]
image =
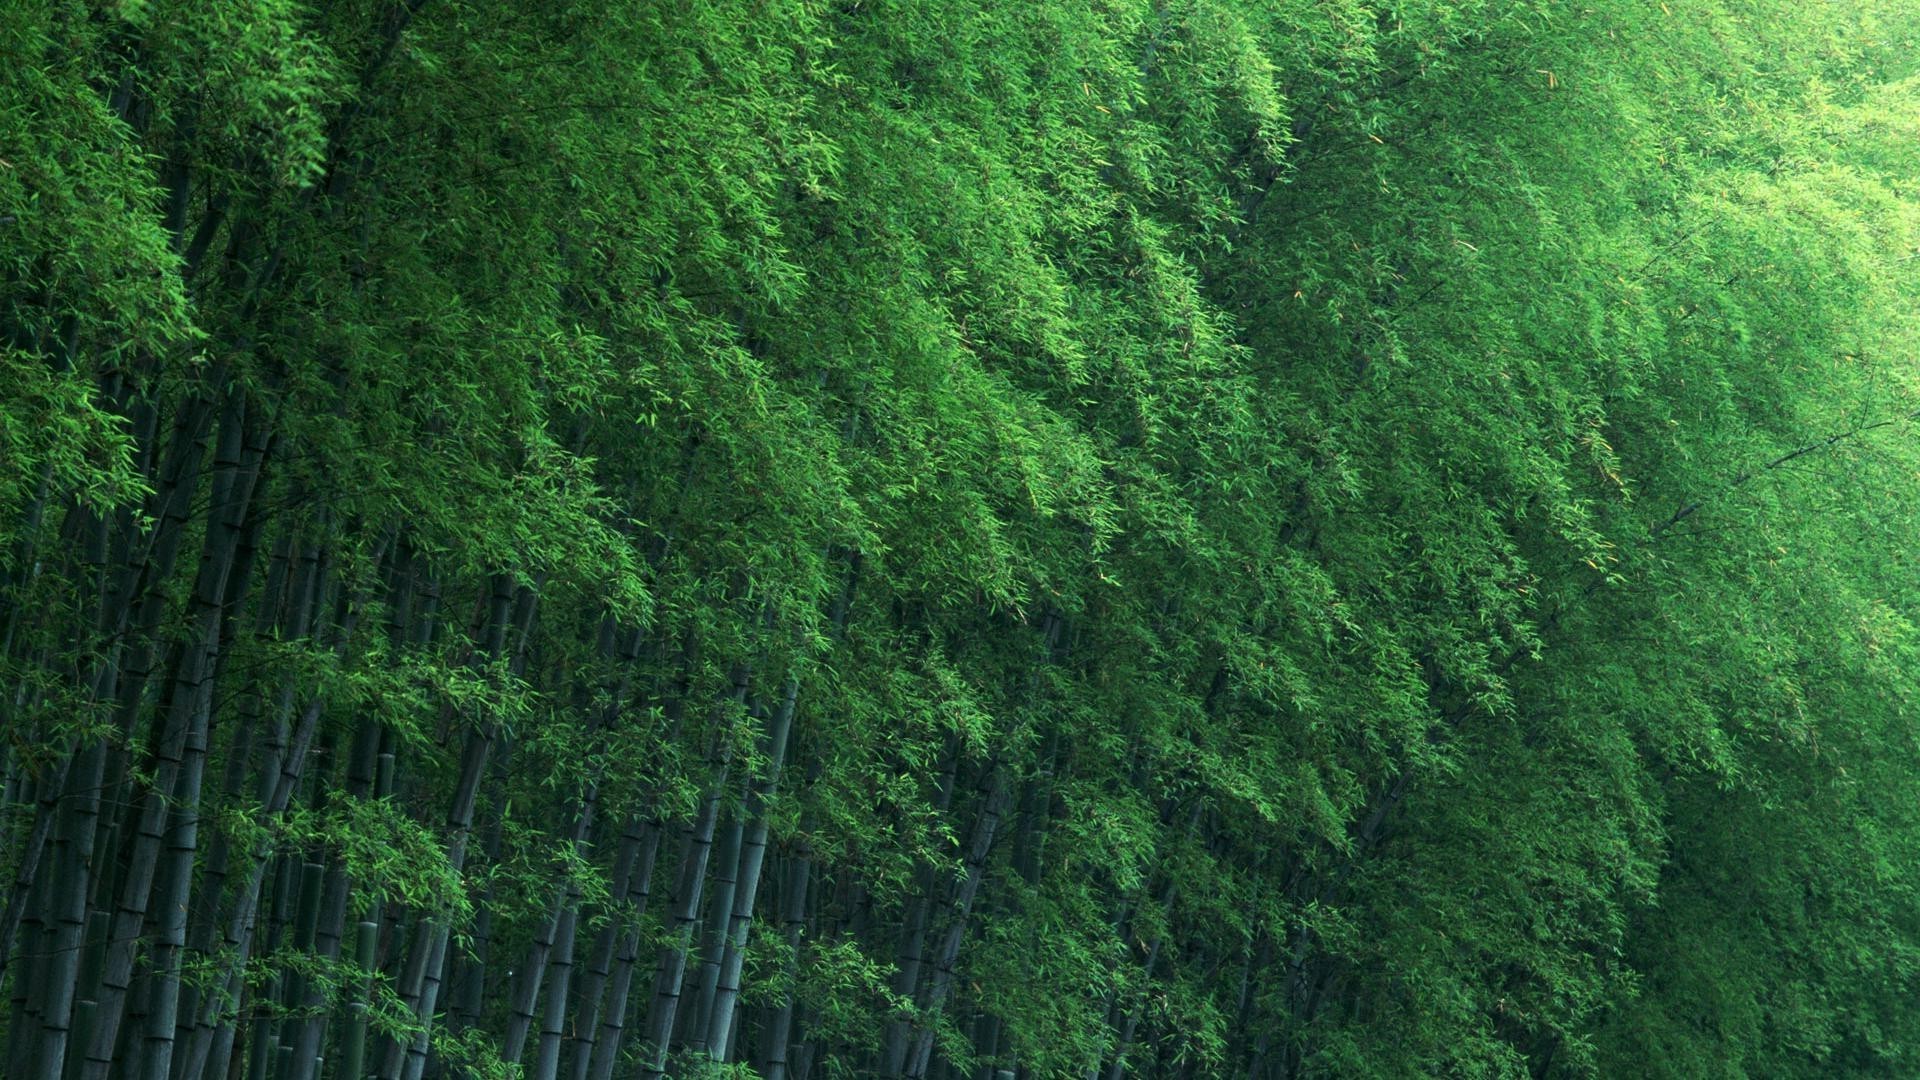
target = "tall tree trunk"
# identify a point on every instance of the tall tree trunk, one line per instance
(238, 460)
(178, 763)
(911, 955)
(80, 818)
(747, 886)
(600, 959)
(560, 929)
(776, 1054)
(426, 975)
(283, 768)
(613, 1024)
(986, 827)
(526, 995)
(672, 964)
(726, 863)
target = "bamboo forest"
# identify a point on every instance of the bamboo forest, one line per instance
(959, 539)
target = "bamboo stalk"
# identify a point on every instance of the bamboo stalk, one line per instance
(986, 828)
(776, 1055)
(672, 962)
(601, 957)
(354, 1057)
(613, 1024)
(746, 892)
(688, 888)
(718, 927)
(553, 1021)
(426, 976)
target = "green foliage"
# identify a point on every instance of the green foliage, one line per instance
(1274, 538)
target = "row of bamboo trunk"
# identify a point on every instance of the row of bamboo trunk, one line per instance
(140, 944)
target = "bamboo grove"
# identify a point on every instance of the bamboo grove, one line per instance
(959, 538)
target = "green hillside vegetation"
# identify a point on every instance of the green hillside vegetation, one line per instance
(996, 539)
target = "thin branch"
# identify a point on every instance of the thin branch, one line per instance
(1830, 441)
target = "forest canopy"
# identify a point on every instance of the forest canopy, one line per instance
(996, 539)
